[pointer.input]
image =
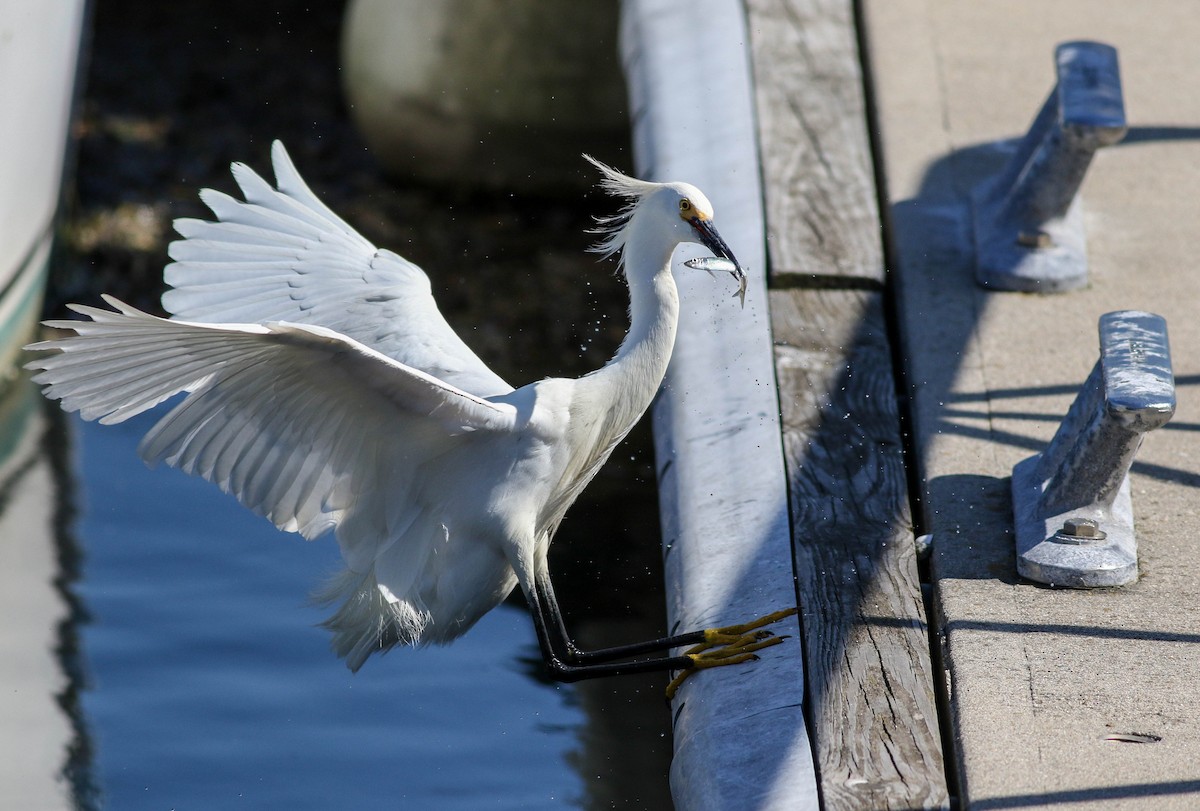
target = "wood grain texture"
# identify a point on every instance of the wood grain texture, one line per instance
(872, 709)
(870, 683)
(822, 211)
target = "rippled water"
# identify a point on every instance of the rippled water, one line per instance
(203, 681)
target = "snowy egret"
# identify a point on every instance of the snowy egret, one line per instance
(325, 391)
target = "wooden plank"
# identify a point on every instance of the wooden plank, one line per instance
(872, 712)
(739, 733)
(823, 223)
(870, 685)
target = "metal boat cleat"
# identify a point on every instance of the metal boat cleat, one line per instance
(1071, 503)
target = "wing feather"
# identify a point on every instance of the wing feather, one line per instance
(202, 235)
(301, 424)
(282, 255)
(229, 209)
(289, 182)
(322, 387)
(259, 192)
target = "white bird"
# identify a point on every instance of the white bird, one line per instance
(325, 391)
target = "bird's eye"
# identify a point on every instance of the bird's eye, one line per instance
(685, 205)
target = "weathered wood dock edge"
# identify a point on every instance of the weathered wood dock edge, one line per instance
(872, 711)
(740, 737)
(724, 94)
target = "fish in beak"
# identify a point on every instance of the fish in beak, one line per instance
(722, 260)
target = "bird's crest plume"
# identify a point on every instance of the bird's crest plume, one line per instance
(612, 228)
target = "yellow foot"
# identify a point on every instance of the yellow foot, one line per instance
(730, 645)
(731, 634)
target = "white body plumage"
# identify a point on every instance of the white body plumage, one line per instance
(326, 392)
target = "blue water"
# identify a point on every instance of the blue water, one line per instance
(210, 686)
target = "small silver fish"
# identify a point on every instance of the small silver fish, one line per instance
(716, 264)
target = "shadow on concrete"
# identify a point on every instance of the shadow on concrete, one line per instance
(981, 505)
(974, 524)
(1136, 791)
(1059, 629)
(941, 211)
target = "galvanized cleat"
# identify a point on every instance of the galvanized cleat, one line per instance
(1074, 516)
(1028, 221)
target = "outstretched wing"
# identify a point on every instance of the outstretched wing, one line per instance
(302, 425)
(282, 255)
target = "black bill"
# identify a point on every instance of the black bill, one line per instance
(709, 237)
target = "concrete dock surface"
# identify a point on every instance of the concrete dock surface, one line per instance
(1057, 698)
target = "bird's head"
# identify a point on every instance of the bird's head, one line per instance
(671, 212)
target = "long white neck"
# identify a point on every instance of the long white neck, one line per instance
(608, 402)
(629, 381)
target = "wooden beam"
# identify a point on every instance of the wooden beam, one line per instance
(822, 212)
(872, 710)
(739, 732)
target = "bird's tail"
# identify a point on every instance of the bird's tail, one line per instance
(366, 622)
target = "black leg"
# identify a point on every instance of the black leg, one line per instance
(715, 647)
(564, 661)
(561, 644)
